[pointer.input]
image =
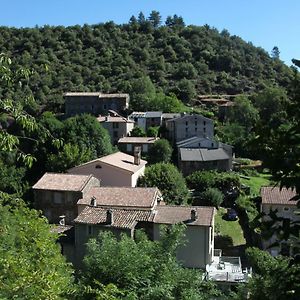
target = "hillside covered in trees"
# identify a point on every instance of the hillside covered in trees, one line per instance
(184, 60)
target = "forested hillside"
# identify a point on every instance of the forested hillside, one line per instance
(185, 60)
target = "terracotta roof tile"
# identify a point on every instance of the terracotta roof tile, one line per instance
(121, 196)
(122, 218)
(273, 195)
(166, 214)
(62, 182)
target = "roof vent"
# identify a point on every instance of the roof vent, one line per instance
(93, 201)
(194, 214)
(62, 220)
(109, 217)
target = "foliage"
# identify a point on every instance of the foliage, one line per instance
(30, 260)
(213, 196)
(106, 57)
(86, 132)
(143, 269)
(138, 132)
(200, 181)
(161, 151)
(153, 131)
(169, 180)
(274, 277)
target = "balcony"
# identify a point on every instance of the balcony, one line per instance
(226, 269)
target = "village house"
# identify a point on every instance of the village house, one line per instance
(127, 144)
(57, 195)
(187, 126)
(94, 103)
(279, 201)
(191, 160)
(116, 125)
(169, 116)
(117, 169)
(147, 119)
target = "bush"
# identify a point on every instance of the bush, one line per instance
(213, 196)
(161, 151)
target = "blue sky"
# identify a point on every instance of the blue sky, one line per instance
(265, 23)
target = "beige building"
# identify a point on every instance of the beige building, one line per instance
(94, 103)
(117, 169)
(279, 201)
(116, 125)
(127, 144)
(56, 195)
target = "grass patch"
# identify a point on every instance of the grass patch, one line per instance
(230, 229)
(256, 182)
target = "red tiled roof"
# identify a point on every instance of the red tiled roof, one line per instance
(121, 196)
(62, 182)
(167, 214)
(273, 195)
(122, 218)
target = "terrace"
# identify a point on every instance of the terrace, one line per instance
(226, 269)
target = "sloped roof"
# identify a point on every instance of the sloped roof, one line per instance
(114, 119)
(121, 197)
(193, 139)
(172, 214)
(137, 140)
(170, 115)
(273, 195)
(95, 94)
(62, 182)
(153, 114)
(122, 218)
(202, 154)
(119, 159)
(137, 114)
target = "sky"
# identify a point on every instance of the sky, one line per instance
(265, 23)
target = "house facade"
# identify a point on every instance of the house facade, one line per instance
(116, 125)
(117, 169)
(94, 103)
(147, 119)
(277, 201)
(127, 144)
(56, 195)
(187, 126)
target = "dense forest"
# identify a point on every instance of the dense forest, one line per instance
(183, 60)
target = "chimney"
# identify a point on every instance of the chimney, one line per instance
(93, 201)
(137, 155)
(109, 217)
(194, 214)
(62, 220)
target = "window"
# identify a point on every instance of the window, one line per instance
(58, 197)
(115, 125)
(186, 129)
(105, 106)
(204, 129)
(186, 123)
(89, 230)
(195, 123)
(204, 123)
(196, 128)
(98, 167)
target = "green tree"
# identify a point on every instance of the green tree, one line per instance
(161, 151)
(155, 18)
(153, 131)
(274, 277)
(138, 132)
(143, 269)
(169, 180)
(87, 133)
(31, 264)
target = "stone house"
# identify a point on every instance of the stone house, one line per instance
(57, 195)
(274, 199)
(127, 144)
(117, 169)
(94, 103)
(147, 119)
(191, 160)
(187, 126)
(116, 125)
